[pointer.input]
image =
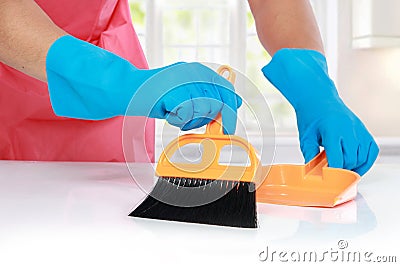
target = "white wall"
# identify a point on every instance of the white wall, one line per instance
(368, 80)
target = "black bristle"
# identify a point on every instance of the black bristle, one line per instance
(205, 201)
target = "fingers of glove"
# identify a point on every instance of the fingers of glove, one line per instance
(207, 104)
(309, 148)
(193, 105)
(229, 118)
(350, 148)
(201, 119)
(196, 123)
(178, 107)
(204, 110)
(366, 140)
(222, 98)
(229, 110)
(188, 75)
(333, 148)
(225, 87)
(372, 154)
(180, 115)
(223, 83)
(362, 153)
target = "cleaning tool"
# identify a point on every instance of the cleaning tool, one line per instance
(312, 184)
(206, 192)
(211, 193)
(323, 119)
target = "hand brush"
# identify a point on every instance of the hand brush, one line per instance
(205, 192)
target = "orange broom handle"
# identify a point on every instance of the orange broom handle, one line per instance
(215, 126)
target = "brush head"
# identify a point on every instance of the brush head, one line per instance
(217, 200)
(204, 201)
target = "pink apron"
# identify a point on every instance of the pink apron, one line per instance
(29, 130)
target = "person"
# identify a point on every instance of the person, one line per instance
(90, 57)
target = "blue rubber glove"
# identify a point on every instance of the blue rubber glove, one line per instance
(87, 82)
(322, 117)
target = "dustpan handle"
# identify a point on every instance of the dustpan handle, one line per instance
(215, 126)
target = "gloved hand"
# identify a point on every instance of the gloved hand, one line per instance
(322, 117)
(87, 82)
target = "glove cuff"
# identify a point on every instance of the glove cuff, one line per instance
(301, 75)
(82, 80)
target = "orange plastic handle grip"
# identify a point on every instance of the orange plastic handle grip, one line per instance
(215, 126)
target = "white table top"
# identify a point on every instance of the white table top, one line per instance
(75, 214)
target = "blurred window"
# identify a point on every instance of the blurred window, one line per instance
(220, 32)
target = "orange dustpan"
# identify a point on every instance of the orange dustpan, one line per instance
(312, 184)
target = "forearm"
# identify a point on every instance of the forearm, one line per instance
(26, 34)
(286, 24)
